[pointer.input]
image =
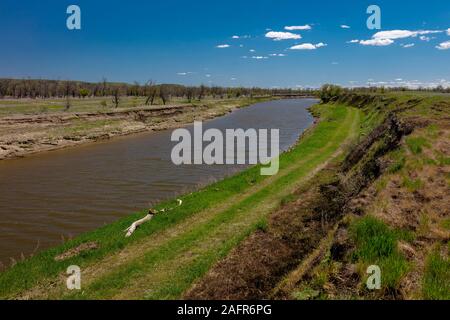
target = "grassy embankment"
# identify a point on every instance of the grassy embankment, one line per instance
(400, 218)
(164, 257)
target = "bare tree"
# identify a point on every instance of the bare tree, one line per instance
(116, 96)
(150, 92)
(104, 86)
(163, 94)
(67, 88)
(201, 92)
(190, 91)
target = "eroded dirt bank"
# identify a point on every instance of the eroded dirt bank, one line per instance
(22, 135)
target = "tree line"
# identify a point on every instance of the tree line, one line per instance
(329, 92)
(44, 89)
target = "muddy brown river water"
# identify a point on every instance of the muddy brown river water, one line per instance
(63, 193)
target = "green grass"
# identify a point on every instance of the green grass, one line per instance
(111, 237)
(446, 224)
(412, 184)
(376, 244)
(416, 144)
(398, 161)
(442, 159)
(79, 127)
(373, 238)
(432, 131)
(436, 280)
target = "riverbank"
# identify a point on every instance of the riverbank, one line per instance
(208, 224)
(65, 193)
(367, 185)
(28, 127)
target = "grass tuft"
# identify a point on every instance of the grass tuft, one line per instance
(416, 144)
(436, 281)
(376, 244)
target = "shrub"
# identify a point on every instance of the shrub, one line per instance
(329, 91)
(84, 93)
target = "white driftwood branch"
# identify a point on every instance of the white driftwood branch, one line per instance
(136, 224)
(148, 217)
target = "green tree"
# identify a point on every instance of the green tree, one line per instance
(84, 93)
(329, 92)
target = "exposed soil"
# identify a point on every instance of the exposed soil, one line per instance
(76, 251)
(22, 135)
(255, 266)
(421, 212)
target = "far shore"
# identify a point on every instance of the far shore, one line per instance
(45, 128)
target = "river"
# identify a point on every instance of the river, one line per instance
(52, 196)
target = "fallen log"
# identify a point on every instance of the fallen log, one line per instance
(148, 217)
(134, 225)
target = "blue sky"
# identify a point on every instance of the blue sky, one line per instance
(176, 42)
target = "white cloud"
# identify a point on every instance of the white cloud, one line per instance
(208, 75)
(386, 38)
(401, 34)
(304, 46)
(277, 36)
(344, 26)
(444, 45)
(412, 84)
(448, 31)
(377, 42)
(182, 73)
(393, 34)
(240, 37)
(335, 63)
(353, 41)
(223, 46)
(308, 46)
(409, 45)
(277, 55)
(305, 27)
(252, 50)
(259, 57)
